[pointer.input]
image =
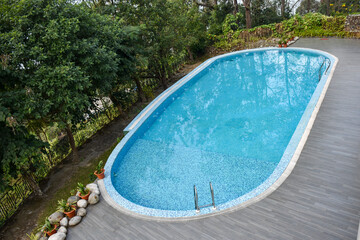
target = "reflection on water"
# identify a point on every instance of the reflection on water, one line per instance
(245, 106)
(230, 126)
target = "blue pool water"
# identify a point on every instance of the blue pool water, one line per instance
(230, 124)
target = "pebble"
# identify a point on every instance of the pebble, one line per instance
(74, 221)
(81, 212)
(82, 203)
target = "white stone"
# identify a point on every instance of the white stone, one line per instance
(74, 221)
(73, 199)
(64, 222)
(58, 236)
(82, 203)
(91, 186)
(55, 217)
(62, 229)
(96, 191)
(94, 198)
(81, 212)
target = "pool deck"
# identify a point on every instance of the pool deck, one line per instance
(319, 200)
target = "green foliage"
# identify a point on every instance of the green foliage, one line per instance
(309, 25)
(63, 206)
(82, 189)
(303, 8)
(47, 225)
(232, 23)
(99, 167)
(20, 153)
(218, 16)
(32, 236)
(266, 12)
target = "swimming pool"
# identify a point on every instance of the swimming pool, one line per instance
(236, 121)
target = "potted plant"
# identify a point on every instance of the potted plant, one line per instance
(284, 44)
(83, 191)
(100, 170)
(49, 229)
(67, 209)
(280, 42)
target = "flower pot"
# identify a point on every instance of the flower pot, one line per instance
(71, 213)
(284, 45)
(100, 175)
(53, 231)
(280, 45)
(84, 197)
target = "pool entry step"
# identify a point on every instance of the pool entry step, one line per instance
(196, 199)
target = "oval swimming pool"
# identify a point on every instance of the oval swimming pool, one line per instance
(235, 121)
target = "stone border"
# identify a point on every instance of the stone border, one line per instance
(282, 171)
(62, 222)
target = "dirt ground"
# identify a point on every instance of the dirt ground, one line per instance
(25, 220)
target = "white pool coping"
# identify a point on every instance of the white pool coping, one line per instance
(109, 193)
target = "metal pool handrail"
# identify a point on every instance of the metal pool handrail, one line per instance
(322, 66)
(196, 199)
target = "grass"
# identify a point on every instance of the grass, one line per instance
(84, 175)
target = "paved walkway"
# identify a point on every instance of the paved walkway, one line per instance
(319, 200)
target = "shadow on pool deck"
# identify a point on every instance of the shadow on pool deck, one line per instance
(319, 200)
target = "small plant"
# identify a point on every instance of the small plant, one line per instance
(48, 226)
(82, 189)
(66, 208)
(99, 167)
(280, 42)
(32, 236)
(73, 192)
(99, 172)
(63, 206)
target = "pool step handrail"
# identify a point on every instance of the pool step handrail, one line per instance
(326, 68)
(196, 199)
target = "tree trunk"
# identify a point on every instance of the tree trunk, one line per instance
(283, 8)
(139, 89)
(190, 53)
(72, 143)
(33, 184)
(236, 7)
(247, 13)
(107, 114)
(48, 154)
(118, 106)
(327, 2)
(162, 75)
(163, 82)
(308, 5)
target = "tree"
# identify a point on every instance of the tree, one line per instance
(307, 6)
(246, 4)
(62, 56)
(236, 7)
(162, 36)
(20, 153)
(263, 12)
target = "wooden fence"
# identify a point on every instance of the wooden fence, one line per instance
(12, 199)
